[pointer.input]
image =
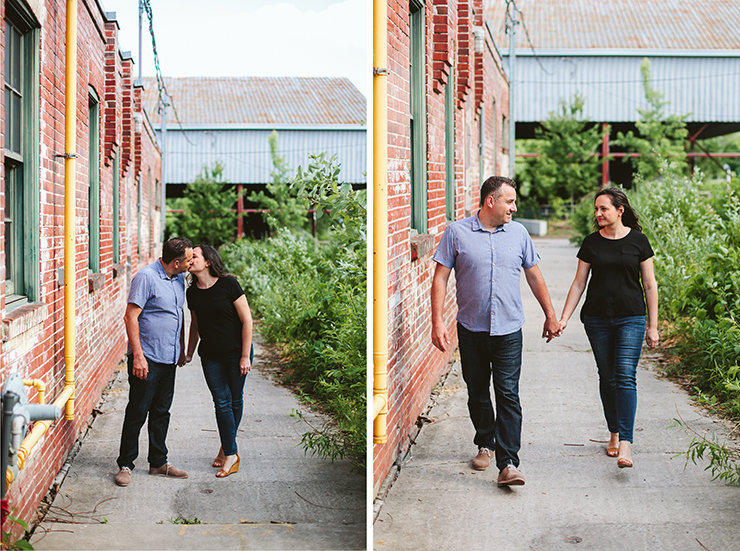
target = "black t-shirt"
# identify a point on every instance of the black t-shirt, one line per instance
(218, 321)
(615, 288)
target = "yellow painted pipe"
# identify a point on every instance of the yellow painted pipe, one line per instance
(41, 427)
(380, 221)
(66, 398)
(40, 388)
(70, 161)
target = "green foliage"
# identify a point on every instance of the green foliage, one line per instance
(311, 298)
(694, 229)
(723, 460)
(660, 135)
(208, 203)
(566, 166)
(721, 144)
(8, 539)
(287, 207)
(180, 520)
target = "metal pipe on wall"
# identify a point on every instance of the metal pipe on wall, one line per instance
(380, 221)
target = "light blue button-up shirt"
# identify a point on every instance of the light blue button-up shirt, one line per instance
(161, 300)
(487, 268)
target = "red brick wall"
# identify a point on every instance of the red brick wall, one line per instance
(38, 353)
(414, 365)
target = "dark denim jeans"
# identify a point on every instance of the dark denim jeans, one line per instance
(226, 384)
(482, 357)
(617, 344)
(153, 397)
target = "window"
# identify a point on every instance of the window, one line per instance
(450, 145)
(493, 139)
(116, 207)
(21, 167)
(417, 72)
(94, 180)
(482, 145)
(505, 131)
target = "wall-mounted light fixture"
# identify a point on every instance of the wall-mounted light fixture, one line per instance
(138, 123)
(479, 40)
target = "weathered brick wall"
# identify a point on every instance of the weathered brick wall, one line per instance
(33, 335)
(414, 365)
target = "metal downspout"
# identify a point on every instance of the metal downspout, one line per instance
(70, 162)
(66, 397)
(380, 221)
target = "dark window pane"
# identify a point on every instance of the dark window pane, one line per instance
(15, 130)
(15, 71)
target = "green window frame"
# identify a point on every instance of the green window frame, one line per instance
(493, 139)
(22, 161)
(450, 146)
(116, 208)
(417, 77)
(94, 179)
(481, 145)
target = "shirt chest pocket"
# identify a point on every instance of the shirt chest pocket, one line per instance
(509, 258)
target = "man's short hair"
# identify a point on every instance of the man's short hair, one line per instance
(493, 185)
(174, 249)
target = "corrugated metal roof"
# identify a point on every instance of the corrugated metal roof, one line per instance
(620, 24)
(259, 100)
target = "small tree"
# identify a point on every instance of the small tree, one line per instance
(286, 208)
(566, 167)
(661, 136)
(209, 214)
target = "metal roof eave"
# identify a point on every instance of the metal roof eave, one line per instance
(620, 52)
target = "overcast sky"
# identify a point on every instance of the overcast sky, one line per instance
(296, 38)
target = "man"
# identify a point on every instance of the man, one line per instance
(154, 325)
(488, 252)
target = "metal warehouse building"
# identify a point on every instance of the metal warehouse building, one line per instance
(595, 48)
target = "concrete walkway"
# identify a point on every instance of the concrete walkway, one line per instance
(575, 497)
(279, 499)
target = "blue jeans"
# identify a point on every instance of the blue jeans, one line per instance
(226, 383)
(150, 397)
(617, 344)
(482, 357)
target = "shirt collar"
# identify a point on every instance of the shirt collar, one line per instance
(160, 270)
(477, 226)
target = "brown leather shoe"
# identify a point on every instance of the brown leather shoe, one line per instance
(168, 470)
(123, 478)
(483, 459)
(510, 476)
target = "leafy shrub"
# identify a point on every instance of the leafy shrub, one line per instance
(311, 298)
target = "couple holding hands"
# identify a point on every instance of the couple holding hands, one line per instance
(488, 252)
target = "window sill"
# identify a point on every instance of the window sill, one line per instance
(23, 323)
(95, 281)
(421, 245)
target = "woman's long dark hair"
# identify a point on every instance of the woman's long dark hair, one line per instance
(619, 199)
(215, 265)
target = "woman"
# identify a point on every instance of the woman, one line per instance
(618, 256)
(221, 318)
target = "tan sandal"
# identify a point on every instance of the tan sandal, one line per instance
(234, 469)
(220, 458)
(612, 452)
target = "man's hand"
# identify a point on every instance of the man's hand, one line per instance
(183, 359)
(440, 337)
(551, 329)
(141, 367)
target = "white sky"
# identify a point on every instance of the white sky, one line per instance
(295, 38)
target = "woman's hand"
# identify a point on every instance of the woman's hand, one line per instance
(563, 325)
(244, 365)
(652, 338)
